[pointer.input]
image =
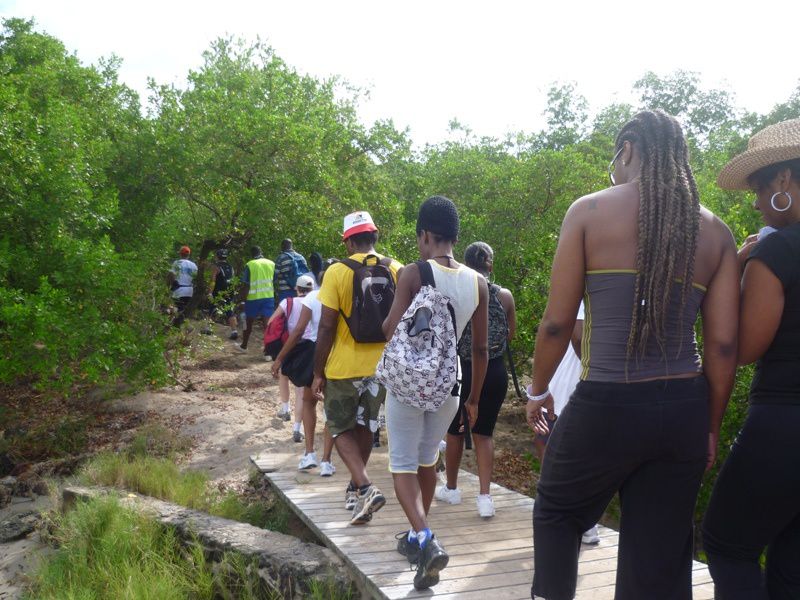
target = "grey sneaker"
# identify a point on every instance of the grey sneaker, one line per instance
(297, 436)
(285, 415)
(350, 499)
(432, 559)
(408, 549)
(368, 502)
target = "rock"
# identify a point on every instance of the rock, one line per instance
(5, 496)
(284, 563)
(8, 481)
(40, 488)
(18, 526)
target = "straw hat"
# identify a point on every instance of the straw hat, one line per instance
(771, 145)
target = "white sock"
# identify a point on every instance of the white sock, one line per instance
(285, 407)
(412, 535)
(296, 427)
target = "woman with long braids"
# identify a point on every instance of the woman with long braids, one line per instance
(755, 504)
(479, 256)
(644, 419)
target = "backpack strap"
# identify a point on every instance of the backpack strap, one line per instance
(289, 307)
(350, 263)
(426, 274)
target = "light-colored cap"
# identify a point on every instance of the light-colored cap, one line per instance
(357, 222)
(773, 144)
(305, 281)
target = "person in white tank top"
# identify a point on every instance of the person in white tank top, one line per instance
(413, 433)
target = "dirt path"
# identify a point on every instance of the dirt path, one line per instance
(229, 415)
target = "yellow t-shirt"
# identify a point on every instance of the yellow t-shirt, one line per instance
(348, 359)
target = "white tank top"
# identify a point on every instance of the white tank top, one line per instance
(461, 286)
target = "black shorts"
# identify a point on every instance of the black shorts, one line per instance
(298, 365)
(493, 394)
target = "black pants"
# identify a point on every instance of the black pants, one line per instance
(646, 440)
(493, 394)
(756, 505)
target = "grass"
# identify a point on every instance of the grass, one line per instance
(161, 478)
(108, 551)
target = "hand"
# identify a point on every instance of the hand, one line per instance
(536, 418)
(276, 368)
(713, 441)
(472, 411)
(318, 387)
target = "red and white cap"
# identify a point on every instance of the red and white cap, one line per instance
(357, 222)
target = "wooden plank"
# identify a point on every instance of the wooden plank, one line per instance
(488, 557)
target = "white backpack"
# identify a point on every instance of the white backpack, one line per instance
(419, 364)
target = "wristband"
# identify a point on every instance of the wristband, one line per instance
(539, 398)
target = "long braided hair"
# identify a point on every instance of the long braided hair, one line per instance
(669, 223)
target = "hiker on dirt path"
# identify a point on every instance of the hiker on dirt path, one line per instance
(220, 292)
(296, 360)
(414, 425)
(356, 295)
(479, 256)
(181, 281)
(289, 265)
(257, 292)
(291, 307)
(644, 420)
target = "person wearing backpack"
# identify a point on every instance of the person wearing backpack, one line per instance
(502, 326)
(289, 311)
(257, 295)
(219, 292)
(417, 418)
(289, 265)
(356, 295)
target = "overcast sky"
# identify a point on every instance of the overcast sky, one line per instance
(488, 64)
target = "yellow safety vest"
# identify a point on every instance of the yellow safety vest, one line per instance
(262, 271)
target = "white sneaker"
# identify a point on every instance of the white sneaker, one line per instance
(485, 505)
(326, 469)
(309, 461)
(591, 536)
(445, 494)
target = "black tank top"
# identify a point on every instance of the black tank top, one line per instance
(224, 276)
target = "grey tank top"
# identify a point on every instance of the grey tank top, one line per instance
(608, 301)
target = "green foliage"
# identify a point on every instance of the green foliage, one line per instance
(72, 308)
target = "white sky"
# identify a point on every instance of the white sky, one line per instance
(488, 64)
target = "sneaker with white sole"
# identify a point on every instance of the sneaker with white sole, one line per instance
(284, 415)
(432, 559)
(326, 469)
(368, 502)
(445, 494)
(309, 461)
(591, 536)
(350, 498)
(485, 505)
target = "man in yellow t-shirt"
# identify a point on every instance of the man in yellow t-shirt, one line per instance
(344, 369)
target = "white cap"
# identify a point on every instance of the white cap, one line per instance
(305, 281)
(357, 222)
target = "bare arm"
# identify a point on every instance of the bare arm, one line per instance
(510, 308)
(480, 349)
(720, 310)
(213, 282)
(327, 329)
(278, 312)
(408, 284)
(294, 337)
(577, 337)
(761, 311)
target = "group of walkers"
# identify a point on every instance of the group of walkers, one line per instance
(636, 263)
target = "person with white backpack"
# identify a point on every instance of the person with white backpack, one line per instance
(435, 299)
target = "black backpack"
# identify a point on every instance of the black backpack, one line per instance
(224, 276)
(373, 294)
(498, 329)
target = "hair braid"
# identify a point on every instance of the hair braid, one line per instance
(669, 222)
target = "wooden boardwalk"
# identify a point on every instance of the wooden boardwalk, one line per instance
(492, 557)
